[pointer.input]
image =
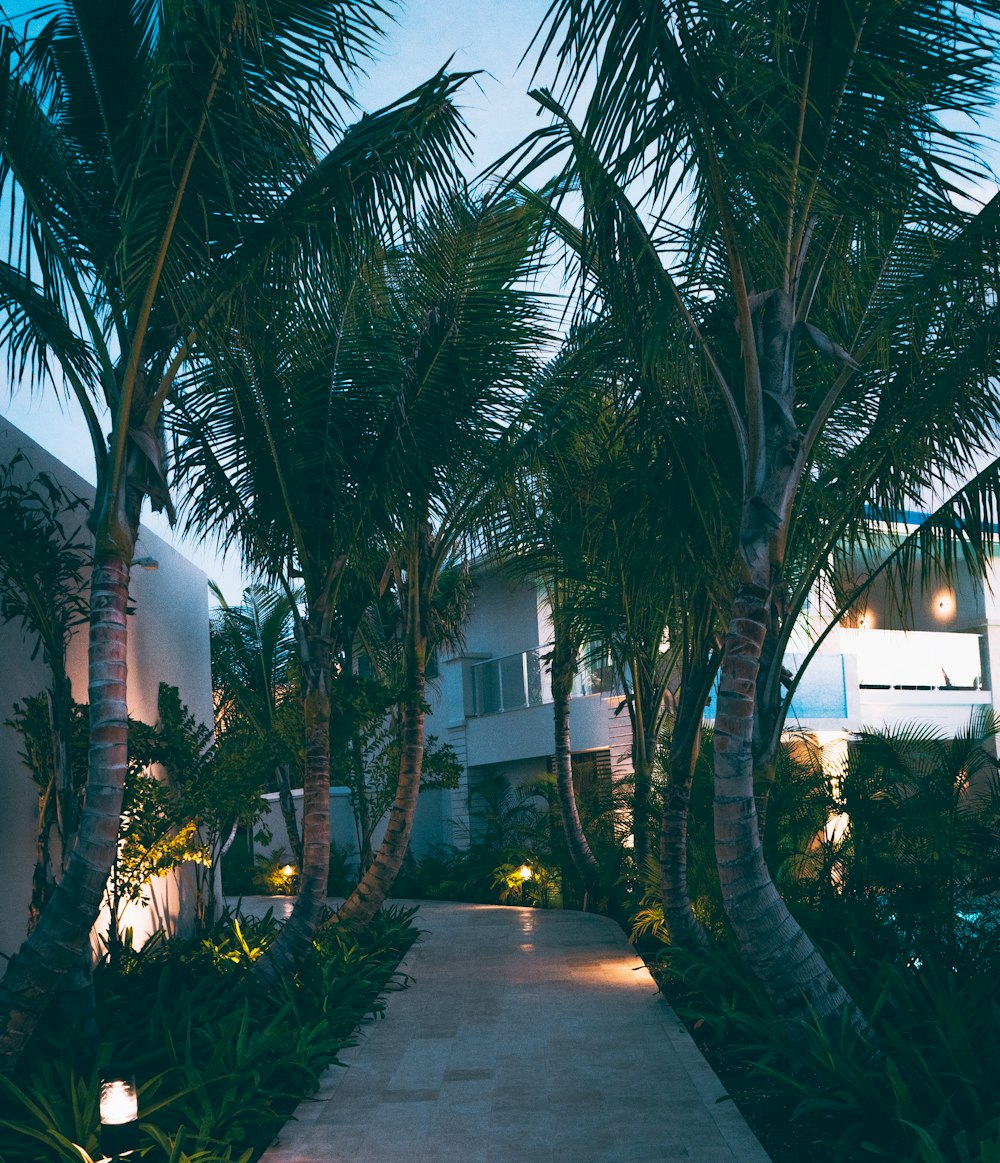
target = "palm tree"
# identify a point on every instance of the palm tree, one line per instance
(807, 146)
(149, 153)
(371, 735)
(542, 533)
(460, 350)
(356, 426)
(253, 647)
(619, 465)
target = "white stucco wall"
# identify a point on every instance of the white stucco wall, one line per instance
(503, 617)
(168, 642)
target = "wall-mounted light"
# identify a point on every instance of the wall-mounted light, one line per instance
(866, 621)
(119, 1106)
(524, 872)
(943, 605)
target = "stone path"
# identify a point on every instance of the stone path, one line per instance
(527, 1035)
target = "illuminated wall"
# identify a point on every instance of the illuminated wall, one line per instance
(168, 642)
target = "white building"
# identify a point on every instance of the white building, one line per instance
(492, 702)
(929, 659)
(168, 642)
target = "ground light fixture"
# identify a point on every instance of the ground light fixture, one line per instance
(119, 1108)
(524, 872)
(288, 872)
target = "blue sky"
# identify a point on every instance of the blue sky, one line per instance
(489, 35)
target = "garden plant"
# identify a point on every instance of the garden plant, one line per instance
(780, 335)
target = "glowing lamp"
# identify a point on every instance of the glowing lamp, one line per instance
(288, 872)
(943, 605)
(524, 872)
(866, 621)
(119, 1106)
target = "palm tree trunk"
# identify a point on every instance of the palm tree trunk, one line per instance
(293, 943)
(642, 767)
(362, 808)
(563, 666)
(643, 752)
(700, 669)
(789, 966)
(287, 805)
(43, 879)
(57, 943)
(686, 931)
(67, 794)
(376, 884)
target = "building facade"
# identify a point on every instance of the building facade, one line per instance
(928, 656)
(168, 642)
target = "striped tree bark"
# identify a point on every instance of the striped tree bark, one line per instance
(773, 943)
(376, 884)
(684, 928)
(563, 668)
(57, 944)
(295, 940)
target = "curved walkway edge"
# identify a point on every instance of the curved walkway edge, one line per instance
(525, 1035)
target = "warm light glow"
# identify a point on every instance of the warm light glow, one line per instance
(836, 827)
(288, 871)
(524, 872)
(629, 841)
(866, 621)
(119, 1102)
(943, 605)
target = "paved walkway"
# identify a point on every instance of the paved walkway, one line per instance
(527, 1035)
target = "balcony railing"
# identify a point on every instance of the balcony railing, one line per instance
(917, 660)
(887, 660)
(515, 681)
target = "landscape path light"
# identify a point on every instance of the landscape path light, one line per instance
(119, 1107)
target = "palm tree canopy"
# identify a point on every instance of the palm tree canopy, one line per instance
(807, 151)
(253, 653)
(359, 402)
(154, 155)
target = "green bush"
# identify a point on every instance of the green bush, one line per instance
(926, 1094)
(902, 901)
(220, 1063)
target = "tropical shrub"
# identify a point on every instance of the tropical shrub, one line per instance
(220, 1064)
(926, 1095)
(901, 897)
(43, 590)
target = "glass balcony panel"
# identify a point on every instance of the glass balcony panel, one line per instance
(512, 684)
(486, 685)
(917, 660)
(516, 681)
(533, 661)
